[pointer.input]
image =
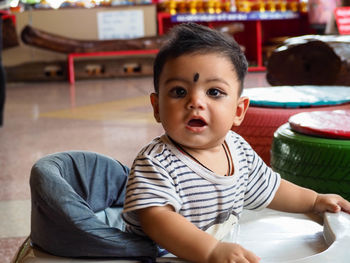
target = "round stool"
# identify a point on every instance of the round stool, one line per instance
(313, 150)
(326, 124)
(270, 107)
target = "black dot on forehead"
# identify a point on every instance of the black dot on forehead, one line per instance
(196, 77)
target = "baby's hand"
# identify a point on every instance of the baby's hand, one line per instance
(331, 203)
(231, 253)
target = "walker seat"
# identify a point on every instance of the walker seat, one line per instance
(276, 237)
(270, 107)
(77, 198)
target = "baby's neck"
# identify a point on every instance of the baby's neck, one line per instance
(216, 159)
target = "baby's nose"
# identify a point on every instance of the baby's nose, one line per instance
(195, 101)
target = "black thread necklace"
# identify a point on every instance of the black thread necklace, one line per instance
(229, 160)
(228, 156)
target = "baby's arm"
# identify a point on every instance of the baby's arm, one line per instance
(180, 237)
(292, 198)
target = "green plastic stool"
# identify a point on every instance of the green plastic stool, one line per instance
(317, 163)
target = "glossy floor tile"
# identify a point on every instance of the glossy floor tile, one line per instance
(112, 117)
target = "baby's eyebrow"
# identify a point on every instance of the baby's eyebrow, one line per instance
(217, 80)
(187, 81)
(177, 79)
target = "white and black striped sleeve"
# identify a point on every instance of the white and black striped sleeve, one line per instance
(150, 184)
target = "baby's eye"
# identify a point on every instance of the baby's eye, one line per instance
(178, 92)
(214, 92)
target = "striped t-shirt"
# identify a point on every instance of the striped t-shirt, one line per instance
(162, 175)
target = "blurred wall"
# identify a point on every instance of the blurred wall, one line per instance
(78, 23)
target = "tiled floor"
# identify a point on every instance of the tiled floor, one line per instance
(112, 117)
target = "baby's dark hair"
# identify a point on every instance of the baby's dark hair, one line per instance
(192, 38)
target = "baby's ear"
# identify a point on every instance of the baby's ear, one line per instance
(155, 105)
(242, 107)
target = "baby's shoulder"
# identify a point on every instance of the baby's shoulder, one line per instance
(236, 140)
(238, 145)
(156, 148)
(158, 154)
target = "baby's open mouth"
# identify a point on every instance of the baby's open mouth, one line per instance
(197, 123)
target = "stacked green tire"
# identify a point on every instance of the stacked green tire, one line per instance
(316, 163)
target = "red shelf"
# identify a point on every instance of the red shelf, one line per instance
(258, 28)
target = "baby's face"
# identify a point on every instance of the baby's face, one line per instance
(198, 99)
